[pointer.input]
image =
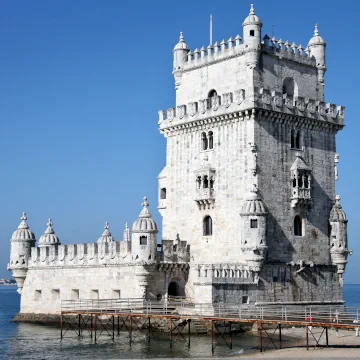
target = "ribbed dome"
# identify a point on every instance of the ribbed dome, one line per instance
(144, 223)
(181, 45)
(316, 39)
(254, 204)
(106, 236)
(23, 232)
(252, 19)
(49, 238)
(337, 213)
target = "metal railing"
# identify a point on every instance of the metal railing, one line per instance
(326, 314)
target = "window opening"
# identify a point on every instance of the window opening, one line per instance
(204, 141)
(207, 226)
(211, 140)
(252, 33)
(298, 226)
(143, 240)
(206, 182)
(253, 223)
(163, 193)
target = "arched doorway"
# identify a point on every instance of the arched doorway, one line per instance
(176, 287)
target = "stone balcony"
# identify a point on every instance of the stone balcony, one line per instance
(300, 196)
(205, 198)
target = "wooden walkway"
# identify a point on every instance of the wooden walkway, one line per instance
(108, 316)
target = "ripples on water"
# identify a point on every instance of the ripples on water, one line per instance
(28, 341)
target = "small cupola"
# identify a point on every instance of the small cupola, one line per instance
(106, 236)
(144, 223)
(254, 204)
(337, 214)
(252, 18)
(180, 53)
(49, 238)
(23, 232)
(316, 49)
(316, 39)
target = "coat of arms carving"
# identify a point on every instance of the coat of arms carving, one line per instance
(239, 96)
(170, 114)
(181, 111)
(61, 250)
(203, 106)
(227, 99)
(192, 108)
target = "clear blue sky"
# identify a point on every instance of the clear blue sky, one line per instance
(80, 86)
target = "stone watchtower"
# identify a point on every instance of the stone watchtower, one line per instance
(249, 180)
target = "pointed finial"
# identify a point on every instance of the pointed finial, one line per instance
(316, 31)
(23, 216)
(181, 39)
(254, 188)
(49, 223)
(49, 229)
(106, 226)
(145, 204)
(337, 198)
(252, 10)
(126, 225)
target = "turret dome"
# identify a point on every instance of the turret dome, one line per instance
(106, 236)
(23, 232)
(49, 238)
(252, 19)
(181, 45)
(144, 223)
(337, 214)
(316, 39)
(254, 204)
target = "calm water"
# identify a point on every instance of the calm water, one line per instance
(26, 341)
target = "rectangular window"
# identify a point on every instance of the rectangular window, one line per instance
(253, 223)
(116, 294)
(75, 294)
(163, 194)
(38, 295)
(94, 294)
(245, 300)
(143, 240)
(55, 294)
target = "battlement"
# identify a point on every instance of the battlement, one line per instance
(283, 50)
(238, 101)
(80, 254)
(176, 251)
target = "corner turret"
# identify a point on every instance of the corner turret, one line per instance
(106, 236)
(144, 236)
(253, 242)
(316, 48)
(338, 238)
(252, 38)
(180, 57)
(22, 240)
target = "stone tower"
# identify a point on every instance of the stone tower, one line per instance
(249, 180)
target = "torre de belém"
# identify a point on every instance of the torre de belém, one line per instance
(247, 195)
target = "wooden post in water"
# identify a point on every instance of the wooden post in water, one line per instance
(189, 322)
(280, 334)
(130, 329)
(91, 326)
(118, 325)
(79, 324)
(230, 335)
(307, 338)
(113, 327)
(170, 333)
(61, 326)
(327, 337)
(212, 337)
(149, 330)
(95, 327)
(261, 339)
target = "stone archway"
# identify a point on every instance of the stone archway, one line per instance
(176, 287)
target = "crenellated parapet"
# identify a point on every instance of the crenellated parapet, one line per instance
(238, 104)
(175, 251)
(92, 254)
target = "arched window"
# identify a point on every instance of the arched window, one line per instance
(290, 87)
(204, 141)
(298, 226)
(198, 180)
(211, 183)
(206, 182)
(292, 139)
(207, 226)
(252, 32)
(143, 240)
(211, 140)
(212, 97)
(297, 140)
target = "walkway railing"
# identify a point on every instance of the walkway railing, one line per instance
(326, 314)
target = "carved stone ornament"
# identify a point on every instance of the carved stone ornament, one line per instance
(192, 108)
(91, 251)
(202, 106)
(71, 252)
(52, 253)
(81, 251)
(253, 158)
(288, 101)
(336, 160)
(215, 102)
(101, 250)
(265, 97)
(278, 100)
(43, 254)
(311, 106)
(300, 103)
(112, 249)
(170, 114)
(61, 250)
(34, 254)
(332, 110)
(181, 111)
(227, 99)
(321, 108)
(239, 96)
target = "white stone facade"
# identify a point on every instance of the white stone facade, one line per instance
(247, 194)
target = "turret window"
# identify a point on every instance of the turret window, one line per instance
(207, 226)
(143, 240)
(163, 194)
(298, 226)
(253, 223)
(252, 33)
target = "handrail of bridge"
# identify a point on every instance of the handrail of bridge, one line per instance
(340, 315)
